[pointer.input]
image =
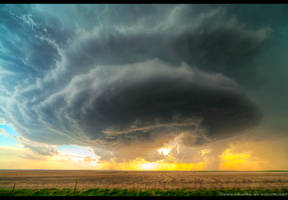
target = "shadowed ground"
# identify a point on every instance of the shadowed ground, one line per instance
(147, 192)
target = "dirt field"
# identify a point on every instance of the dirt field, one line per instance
(141, 179)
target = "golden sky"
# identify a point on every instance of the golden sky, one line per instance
(241, 155)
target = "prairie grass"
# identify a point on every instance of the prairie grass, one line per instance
(80, 180)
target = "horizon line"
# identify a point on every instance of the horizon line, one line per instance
(285, 170)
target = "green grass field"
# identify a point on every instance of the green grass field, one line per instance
(150, 192)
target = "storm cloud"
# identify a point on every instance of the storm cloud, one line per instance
(124, 75)
(152, 95)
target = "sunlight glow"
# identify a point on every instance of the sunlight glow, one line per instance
(227, 155)
(238, 161)
(164, 151)
(148, 166)
(79, 155)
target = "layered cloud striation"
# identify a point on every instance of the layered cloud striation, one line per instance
(111, 76)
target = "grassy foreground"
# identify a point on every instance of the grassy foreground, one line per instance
(148, 192)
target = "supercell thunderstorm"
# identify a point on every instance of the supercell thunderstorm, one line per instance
(111, 76)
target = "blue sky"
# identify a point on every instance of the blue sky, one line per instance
(8, 140)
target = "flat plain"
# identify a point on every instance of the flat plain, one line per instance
(167, 180)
